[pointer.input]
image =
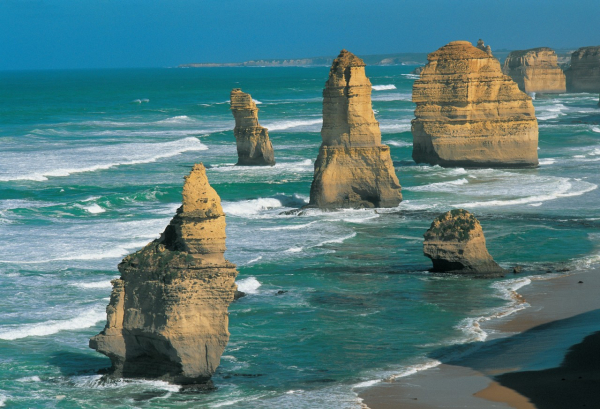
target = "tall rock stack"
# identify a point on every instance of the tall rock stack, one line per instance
(353, 169)
(253, 144)
(167, 316)
(470, 114)
(535, 70)
(584, 73)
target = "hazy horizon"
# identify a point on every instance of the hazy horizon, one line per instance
(67, 34)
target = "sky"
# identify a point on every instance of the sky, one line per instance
(74, 34)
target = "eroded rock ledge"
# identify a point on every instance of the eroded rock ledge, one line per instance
(353, 169)
(167, 316)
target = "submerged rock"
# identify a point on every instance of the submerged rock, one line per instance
(167, 316)
(253, 144)
(455, 243)
(470, 114)
(353, 169)
(584, 73)
(535, 70)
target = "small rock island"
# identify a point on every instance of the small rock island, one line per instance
(353, 168)
(167, 316)
(535, 70)
(469, 114)
(455, 243)
(254, 147)
(584, 73)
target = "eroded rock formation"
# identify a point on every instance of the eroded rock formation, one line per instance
(167, 316)
(584, 73)
(353, 168)
(253, 144)
(470, 114)
(455, 243)
(486, 48)
(535, 70)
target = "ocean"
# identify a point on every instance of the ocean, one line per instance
(91, 169)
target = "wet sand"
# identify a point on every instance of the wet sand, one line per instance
(524, 361)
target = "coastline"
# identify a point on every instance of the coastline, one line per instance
(550, 336)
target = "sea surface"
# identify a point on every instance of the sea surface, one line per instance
(91, 169)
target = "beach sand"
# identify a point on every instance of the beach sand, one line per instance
(546, 356)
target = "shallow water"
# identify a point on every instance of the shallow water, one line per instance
(91, 169)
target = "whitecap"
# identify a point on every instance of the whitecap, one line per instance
(3, 399)
(257, 102)
(29, 379)
(305, 124)
(254, 260)
(249, 285)
(392, 96)
(399, 144)
(411, 76)
(383, 87)
(337, 240)
(180, 119)
(250, 207)
(413, 369)
(94, 209)
(94, 284)
(99, 382)
(547, 161)
(294, 250)
(290, 227)
(438, 186)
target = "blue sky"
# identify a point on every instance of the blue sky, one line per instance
(50, 34)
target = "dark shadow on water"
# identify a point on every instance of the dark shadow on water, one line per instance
(76, 363)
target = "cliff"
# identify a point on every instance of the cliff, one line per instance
(167, 316)
(535, 70)
(455, 243)
(353, 168)
(584, 73)
(254, 147)
(469, 114)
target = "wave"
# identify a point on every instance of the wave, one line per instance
(86, 319)
(394, 96)
(94, 208)
(547, 161)
(395, 127)
(400, 144)
(438, 186)
(95, 284)
(411, 76)
(249, 285)
(338, 240)
(383, 87)
(250, 207)
(140, 101)
(29, 379)
(254, 260)
(596, 129)
(3, 399)
(181, 119)
(291, 227)
(306, 124)
(91, 159)
(99, 382)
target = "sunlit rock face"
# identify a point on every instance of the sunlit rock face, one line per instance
(535, 70)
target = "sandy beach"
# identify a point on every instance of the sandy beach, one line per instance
(546, 356)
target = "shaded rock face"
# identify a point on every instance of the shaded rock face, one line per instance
(455, 244)
(584, 73)
(486, 48)
(253, 144)
(469, 114)
(167, 316)
(535, 70)
(353, 169)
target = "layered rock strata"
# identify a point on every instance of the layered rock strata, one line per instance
(455, 243)
(469, 114)
(584, 73)
(253, 144)
(353, 169)
(535, 70)
(167, 316)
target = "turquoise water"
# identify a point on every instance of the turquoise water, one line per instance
(91, 169)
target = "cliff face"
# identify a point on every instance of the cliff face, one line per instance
(253, 144)
(535, 70)
(470, 114)
(353, 168)
(167, 316)
(455, 243)
(584, 74)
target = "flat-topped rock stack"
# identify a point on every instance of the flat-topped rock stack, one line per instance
(469, 114)
(167, 316)
(535, 70)
(353, 169)
(584, 73)
(253, 144)
(455, 244)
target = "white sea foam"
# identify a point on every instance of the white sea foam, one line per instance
(94, 284)
(294, 250)
(383, 87)
(250, 207)
(257, 102)
(180, 119)
(29, 379)
(411, 76)
(3, 399)
(392, 96)
(337, 240)
(413, 369)
(395, 126)
(291, 227)
(547, 161)
(438, 186)
(297, 125)
(249, 285)
(94, 208)
(64, 162)
(596, 129)
(99, 382)
(398, 143)
(254, 260)
(86, 319)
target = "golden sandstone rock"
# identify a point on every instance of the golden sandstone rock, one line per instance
(353, 169)
(253, 144)
(455, 243)
(535, 70)
(584, 73)
(167, 316)
(470, 114)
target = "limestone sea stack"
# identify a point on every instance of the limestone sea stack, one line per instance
(535, 70)
(253, 144)
(455, 243)
(167, 316)
(353, 169)
(469, 114)
(584, 73)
